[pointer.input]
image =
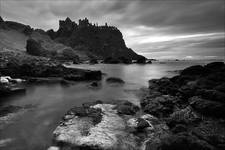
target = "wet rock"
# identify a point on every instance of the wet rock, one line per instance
(93, 61)
(160, 106)
(220, 87)
(89, 104)
(215, 66)
(194, 70)
(126, 108)
(211, 95)
(179, 128)
(44, 68)
(8, 80)
(54, 148)
(10, 90)
(114, 80)
(211, 131)
(72, 77)
(149, 62)
(125, 60)
(111, 60)
(141, 60)
(196, 114)
(184, 116)
(94, 84)
(139, 123)
(9, 109)
(185, 142)
(109, 133)
(85, 75)
(208, 107)
(92, 75)
(163, 85)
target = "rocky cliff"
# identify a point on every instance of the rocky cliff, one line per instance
(16, 37)
(82, 40)
(100, 41)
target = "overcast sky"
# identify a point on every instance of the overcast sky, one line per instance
(154, 28)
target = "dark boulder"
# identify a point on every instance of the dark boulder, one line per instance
(89, 104)
(126, 108)
(125, 60)
(94, 84)
(93, 61)
(194, 70)
(111, 60)
(149, 62)
(208, 107)
(215, 66)
(163, 85)
(220, 87)
(34, 48)
(184, 116)
(183, 141)
(1, 20)
(179, 128)
(160, 106)
(2, 25)
(211, 131)
(85, 75)
(141, 60)
(92, 75)
(9, 109)
(211, 95)
(114, 80)
(11, 90)
(142, 124)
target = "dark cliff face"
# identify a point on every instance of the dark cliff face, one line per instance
(101, 41)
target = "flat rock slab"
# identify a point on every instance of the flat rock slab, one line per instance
(111, 132)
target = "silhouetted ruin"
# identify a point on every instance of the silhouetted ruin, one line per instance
(100, 41)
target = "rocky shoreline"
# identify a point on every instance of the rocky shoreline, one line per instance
(18, 66)
(182, 112)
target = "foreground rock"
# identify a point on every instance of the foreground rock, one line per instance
(10, 86)
(192, 104)
(114, 80)
(101, 126)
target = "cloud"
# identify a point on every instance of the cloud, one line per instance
(150, 27)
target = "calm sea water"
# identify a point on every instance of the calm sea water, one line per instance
(33, 130)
